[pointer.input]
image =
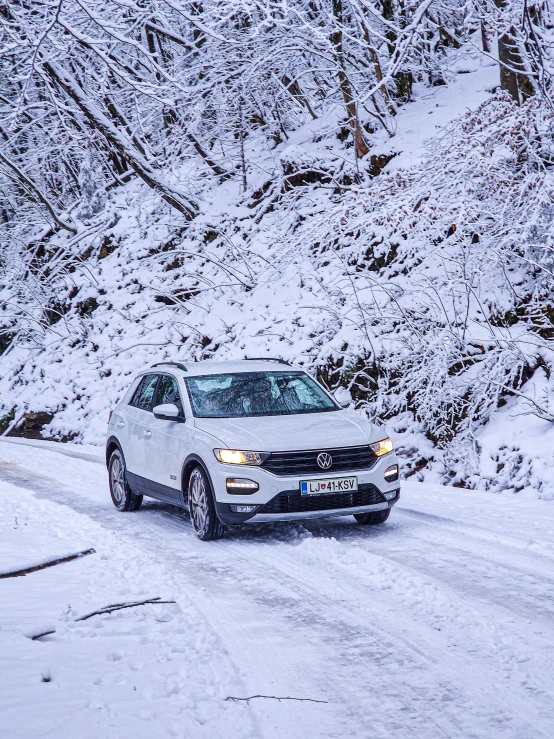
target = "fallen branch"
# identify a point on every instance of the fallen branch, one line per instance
(109, 609)
(52, 563)
(273, 697)
(121, 606)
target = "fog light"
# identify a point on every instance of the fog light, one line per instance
(391, 473)
(391, 495)
(240, 486)
(243, 508)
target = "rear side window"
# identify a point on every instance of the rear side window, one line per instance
(168, 392)
(144, 394)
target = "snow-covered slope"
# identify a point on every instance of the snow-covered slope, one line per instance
(413, 287)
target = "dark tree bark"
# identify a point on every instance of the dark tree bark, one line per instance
(484, 39)
(295, 91)
(403, 80)
(509, 58)
(360, 145)
(512, 70)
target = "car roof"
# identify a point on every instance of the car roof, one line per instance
(211, 367)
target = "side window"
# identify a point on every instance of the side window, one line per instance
(145, 392)
(168, 392)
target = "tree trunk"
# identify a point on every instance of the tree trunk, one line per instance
(294, 89)
(360, 145)
(484, 39)
(34, 191)
(512, 77)
(403, 80)
(509, 59)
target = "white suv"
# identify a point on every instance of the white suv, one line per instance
(251, 440)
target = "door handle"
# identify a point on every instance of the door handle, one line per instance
(120, 424)
(147, 434)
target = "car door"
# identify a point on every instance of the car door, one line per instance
(163, 457)
(139, 418)
(119, 424)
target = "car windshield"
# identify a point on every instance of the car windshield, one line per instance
(256, 394)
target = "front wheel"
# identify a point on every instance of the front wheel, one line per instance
(122, 496)
(205, 522)
(372, 519)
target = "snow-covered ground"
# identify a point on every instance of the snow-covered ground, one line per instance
(438, 624)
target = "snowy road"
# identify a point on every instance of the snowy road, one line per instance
(437, 624)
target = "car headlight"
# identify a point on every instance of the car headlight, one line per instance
(233, 456)
(385, 446)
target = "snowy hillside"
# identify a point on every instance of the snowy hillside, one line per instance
(416, 271)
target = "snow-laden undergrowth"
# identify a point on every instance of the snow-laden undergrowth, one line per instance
(425, 288)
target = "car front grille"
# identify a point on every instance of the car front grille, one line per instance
(345, 459)
(291, 501)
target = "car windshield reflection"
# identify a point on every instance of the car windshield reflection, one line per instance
(256, 394)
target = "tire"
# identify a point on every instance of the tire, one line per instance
(203, 517)
(372, 519)
(123, 497)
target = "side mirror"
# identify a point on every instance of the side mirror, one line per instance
(167, 412)
(343, 397)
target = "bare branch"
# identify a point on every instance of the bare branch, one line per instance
(44, 565)
(35, 192)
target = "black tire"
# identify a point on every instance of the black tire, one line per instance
(205, 523)
(123, 497)
(372, 519)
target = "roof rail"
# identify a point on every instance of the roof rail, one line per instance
(172, 364)
(267, 359)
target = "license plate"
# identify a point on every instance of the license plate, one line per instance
(329, 485)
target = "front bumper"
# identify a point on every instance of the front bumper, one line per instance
(276, 494)
(260, 518)
(229, 517)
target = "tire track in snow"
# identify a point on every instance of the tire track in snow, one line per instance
(421, 598)
(376, 648)
(287, 602)
(480, 533)
(521, 584)
(191, 569)
(287, 587)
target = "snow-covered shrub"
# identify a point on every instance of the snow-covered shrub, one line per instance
(443, 275)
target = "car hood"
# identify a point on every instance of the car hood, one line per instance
(288, 433)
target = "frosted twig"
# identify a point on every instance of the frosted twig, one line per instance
(273, 697)
(121, 606)
(109, 609)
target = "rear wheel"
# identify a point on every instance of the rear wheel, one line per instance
(372, 519)
(122, 496)
(205, 522)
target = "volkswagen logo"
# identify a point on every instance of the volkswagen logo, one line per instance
(324, 460)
